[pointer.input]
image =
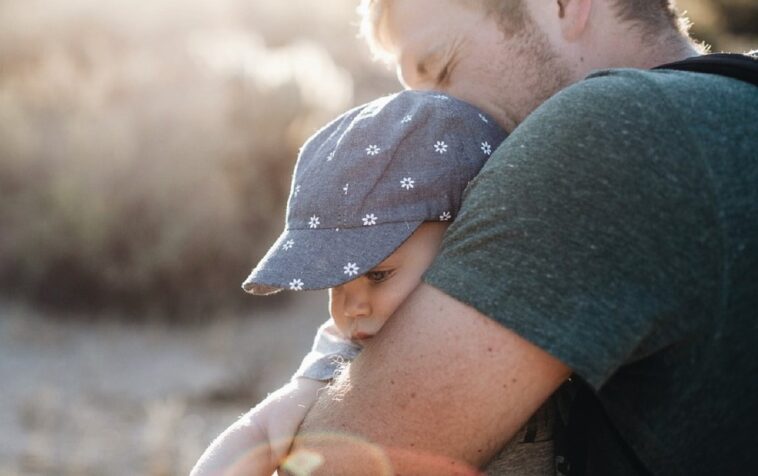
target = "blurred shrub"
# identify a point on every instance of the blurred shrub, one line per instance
(145, 151)
(740, 17)
(726, 25)
(146, 146)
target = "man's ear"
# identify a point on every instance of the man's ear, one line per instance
(574, 15)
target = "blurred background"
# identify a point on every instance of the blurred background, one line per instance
(145, 152)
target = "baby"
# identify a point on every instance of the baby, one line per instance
(372, 194)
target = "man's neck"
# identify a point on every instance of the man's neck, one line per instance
(673, 49)
(638, 52)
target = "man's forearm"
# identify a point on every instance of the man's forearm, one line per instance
(336, 444)
(438, 391)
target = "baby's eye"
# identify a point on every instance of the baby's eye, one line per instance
(378, 276)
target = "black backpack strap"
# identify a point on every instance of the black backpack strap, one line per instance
(742, 67)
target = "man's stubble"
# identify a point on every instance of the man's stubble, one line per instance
(544, 71)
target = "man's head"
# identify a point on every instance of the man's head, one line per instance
(508, 56)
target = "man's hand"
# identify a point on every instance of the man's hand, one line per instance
(438, 391)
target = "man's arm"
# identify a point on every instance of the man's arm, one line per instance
(438, 391)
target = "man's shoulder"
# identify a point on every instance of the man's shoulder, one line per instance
(621, 93)
(601, 102)
(629, 111)
(614, 112)
(633, 82)
(663, 92)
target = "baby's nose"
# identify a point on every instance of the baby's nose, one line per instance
(357, 305)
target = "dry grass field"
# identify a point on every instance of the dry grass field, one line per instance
(110, 398)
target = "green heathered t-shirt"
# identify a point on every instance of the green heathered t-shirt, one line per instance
(617, 229)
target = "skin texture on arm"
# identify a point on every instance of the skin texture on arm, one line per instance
(438, 391)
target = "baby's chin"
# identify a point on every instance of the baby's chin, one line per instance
(361, 336)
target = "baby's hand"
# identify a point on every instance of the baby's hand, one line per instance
(256, 443)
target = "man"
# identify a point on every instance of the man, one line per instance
(614, 235)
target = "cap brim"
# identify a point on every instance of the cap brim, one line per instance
(324, 258)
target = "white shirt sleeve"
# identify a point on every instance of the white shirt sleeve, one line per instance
(330, 351)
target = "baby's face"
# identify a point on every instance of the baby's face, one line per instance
(362, 306)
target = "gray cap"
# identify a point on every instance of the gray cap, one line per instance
(366, 181)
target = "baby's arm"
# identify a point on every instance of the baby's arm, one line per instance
(257, 441)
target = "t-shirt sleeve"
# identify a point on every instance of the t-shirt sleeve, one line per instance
(588, 230)
(329, 352)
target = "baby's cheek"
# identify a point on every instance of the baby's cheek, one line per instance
(383, 320)
(335, 311)
(391, 305)
(342, 326)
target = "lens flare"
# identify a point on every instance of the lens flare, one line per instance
(359, 456)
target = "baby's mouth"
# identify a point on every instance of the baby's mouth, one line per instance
(361, 336)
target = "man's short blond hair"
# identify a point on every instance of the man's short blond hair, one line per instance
(649, 16)
(372, 14)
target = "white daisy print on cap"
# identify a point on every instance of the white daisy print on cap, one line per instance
(351, 269)
(288, 245)
(296, 285)
(440, 147)
(407, 183)
(369, 220)
(486, 148)
(446, 216)
(314, 222)
(372, 149)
